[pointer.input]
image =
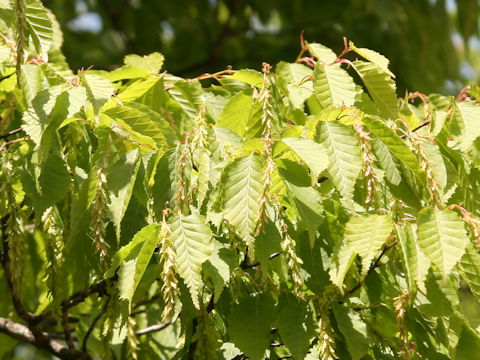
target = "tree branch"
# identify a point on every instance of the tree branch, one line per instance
(23, 333)
(80, 296)
(66, 328)
(31, 333)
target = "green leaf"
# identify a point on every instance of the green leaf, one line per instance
(237, 112)
(152, 63)
(343, 151)
(52, 186)
(342, 258)
(241, 195)
(39, 26)
(469, 266)
(36, 118)
(464, 125)
(416, 264)
(248, 76)
(468, 345)
(381, 87)
(189, 97)
(354, 331)
(127, 72)
(311, 153)
(31, 80)
(297, 78)
(249, 324)
(142, 125)
(387, 161)
(365, 235)
(437, 164)
(306, 200)
(139, 89)
(54, 180)
(99, 89)
(217, 268)
(333, 86)
(442, 237)
(395, 145)
(133, 259)
(192, 241)
(374, 57)
(296, 327)
(321, 52)
(121, 178)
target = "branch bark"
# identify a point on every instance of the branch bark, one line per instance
(23, 333)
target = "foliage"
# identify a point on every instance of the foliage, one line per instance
(300, 211)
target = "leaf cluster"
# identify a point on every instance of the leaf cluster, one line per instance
(304, 211)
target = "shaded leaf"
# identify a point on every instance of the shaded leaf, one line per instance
(121, 179)
(249, 324)
(310, 152)
(469, 266)
(296, 327)
(133, 259)
(353, 329)
(416, 264)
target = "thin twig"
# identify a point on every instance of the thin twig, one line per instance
(13, 132)
(66, 329)
(80, 296)
(375, 265)
(92, 325)
(8, 143)
(151, 329)
(417, 128)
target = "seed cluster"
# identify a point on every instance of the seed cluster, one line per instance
(368, 161)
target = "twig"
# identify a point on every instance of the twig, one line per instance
(417, 128)
(31, 333)
(92, 325)
(80, 296)
(375, 265)
(8, 143)
(151, 329)
(66, 329)
(421, 125)
(23, 333)
(13, 132)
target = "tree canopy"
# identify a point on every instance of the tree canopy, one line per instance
(433, 45)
